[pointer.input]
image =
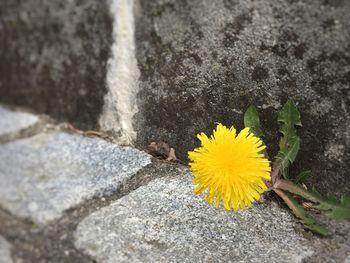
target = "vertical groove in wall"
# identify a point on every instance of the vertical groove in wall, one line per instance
(122, 75)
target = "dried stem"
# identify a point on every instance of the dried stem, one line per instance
(291, 187)
(275, 176)
(297, 212)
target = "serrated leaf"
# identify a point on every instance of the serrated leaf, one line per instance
(316, 228)
(302, 177)
(289, 114)
(335, 209)
(252, 121)
(299, 211)
(330, 205)
(308, 221)
(292, 151)
(287, 156)
(288, 118)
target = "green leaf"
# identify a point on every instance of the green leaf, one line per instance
(288, 118)
(330, 205)
(335, 209)
(289, 114)
(302, 177)
(288, 155)
(316, 194)
(252, 121)
(299, 211)
(312, 225)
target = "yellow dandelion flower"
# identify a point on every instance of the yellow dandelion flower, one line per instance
(231, 168)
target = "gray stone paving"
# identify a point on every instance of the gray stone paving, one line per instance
(165, 222)
(12, 121)
(44, 175)
(5, 251)
(151, 216)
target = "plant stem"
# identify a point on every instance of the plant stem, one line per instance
(297, 212)
(295, 189)
(275, 173)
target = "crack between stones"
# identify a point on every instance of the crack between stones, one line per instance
(43, 125)
(55, 241)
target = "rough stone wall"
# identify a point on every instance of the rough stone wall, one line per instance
(199, 62)
(53, 56)
(206, 61)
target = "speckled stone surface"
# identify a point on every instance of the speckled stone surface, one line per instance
(5, 251)
(44, 175)
(12, 121)
(165, 222)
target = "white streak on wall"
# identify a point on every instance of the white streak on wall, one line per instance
(122, 75)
